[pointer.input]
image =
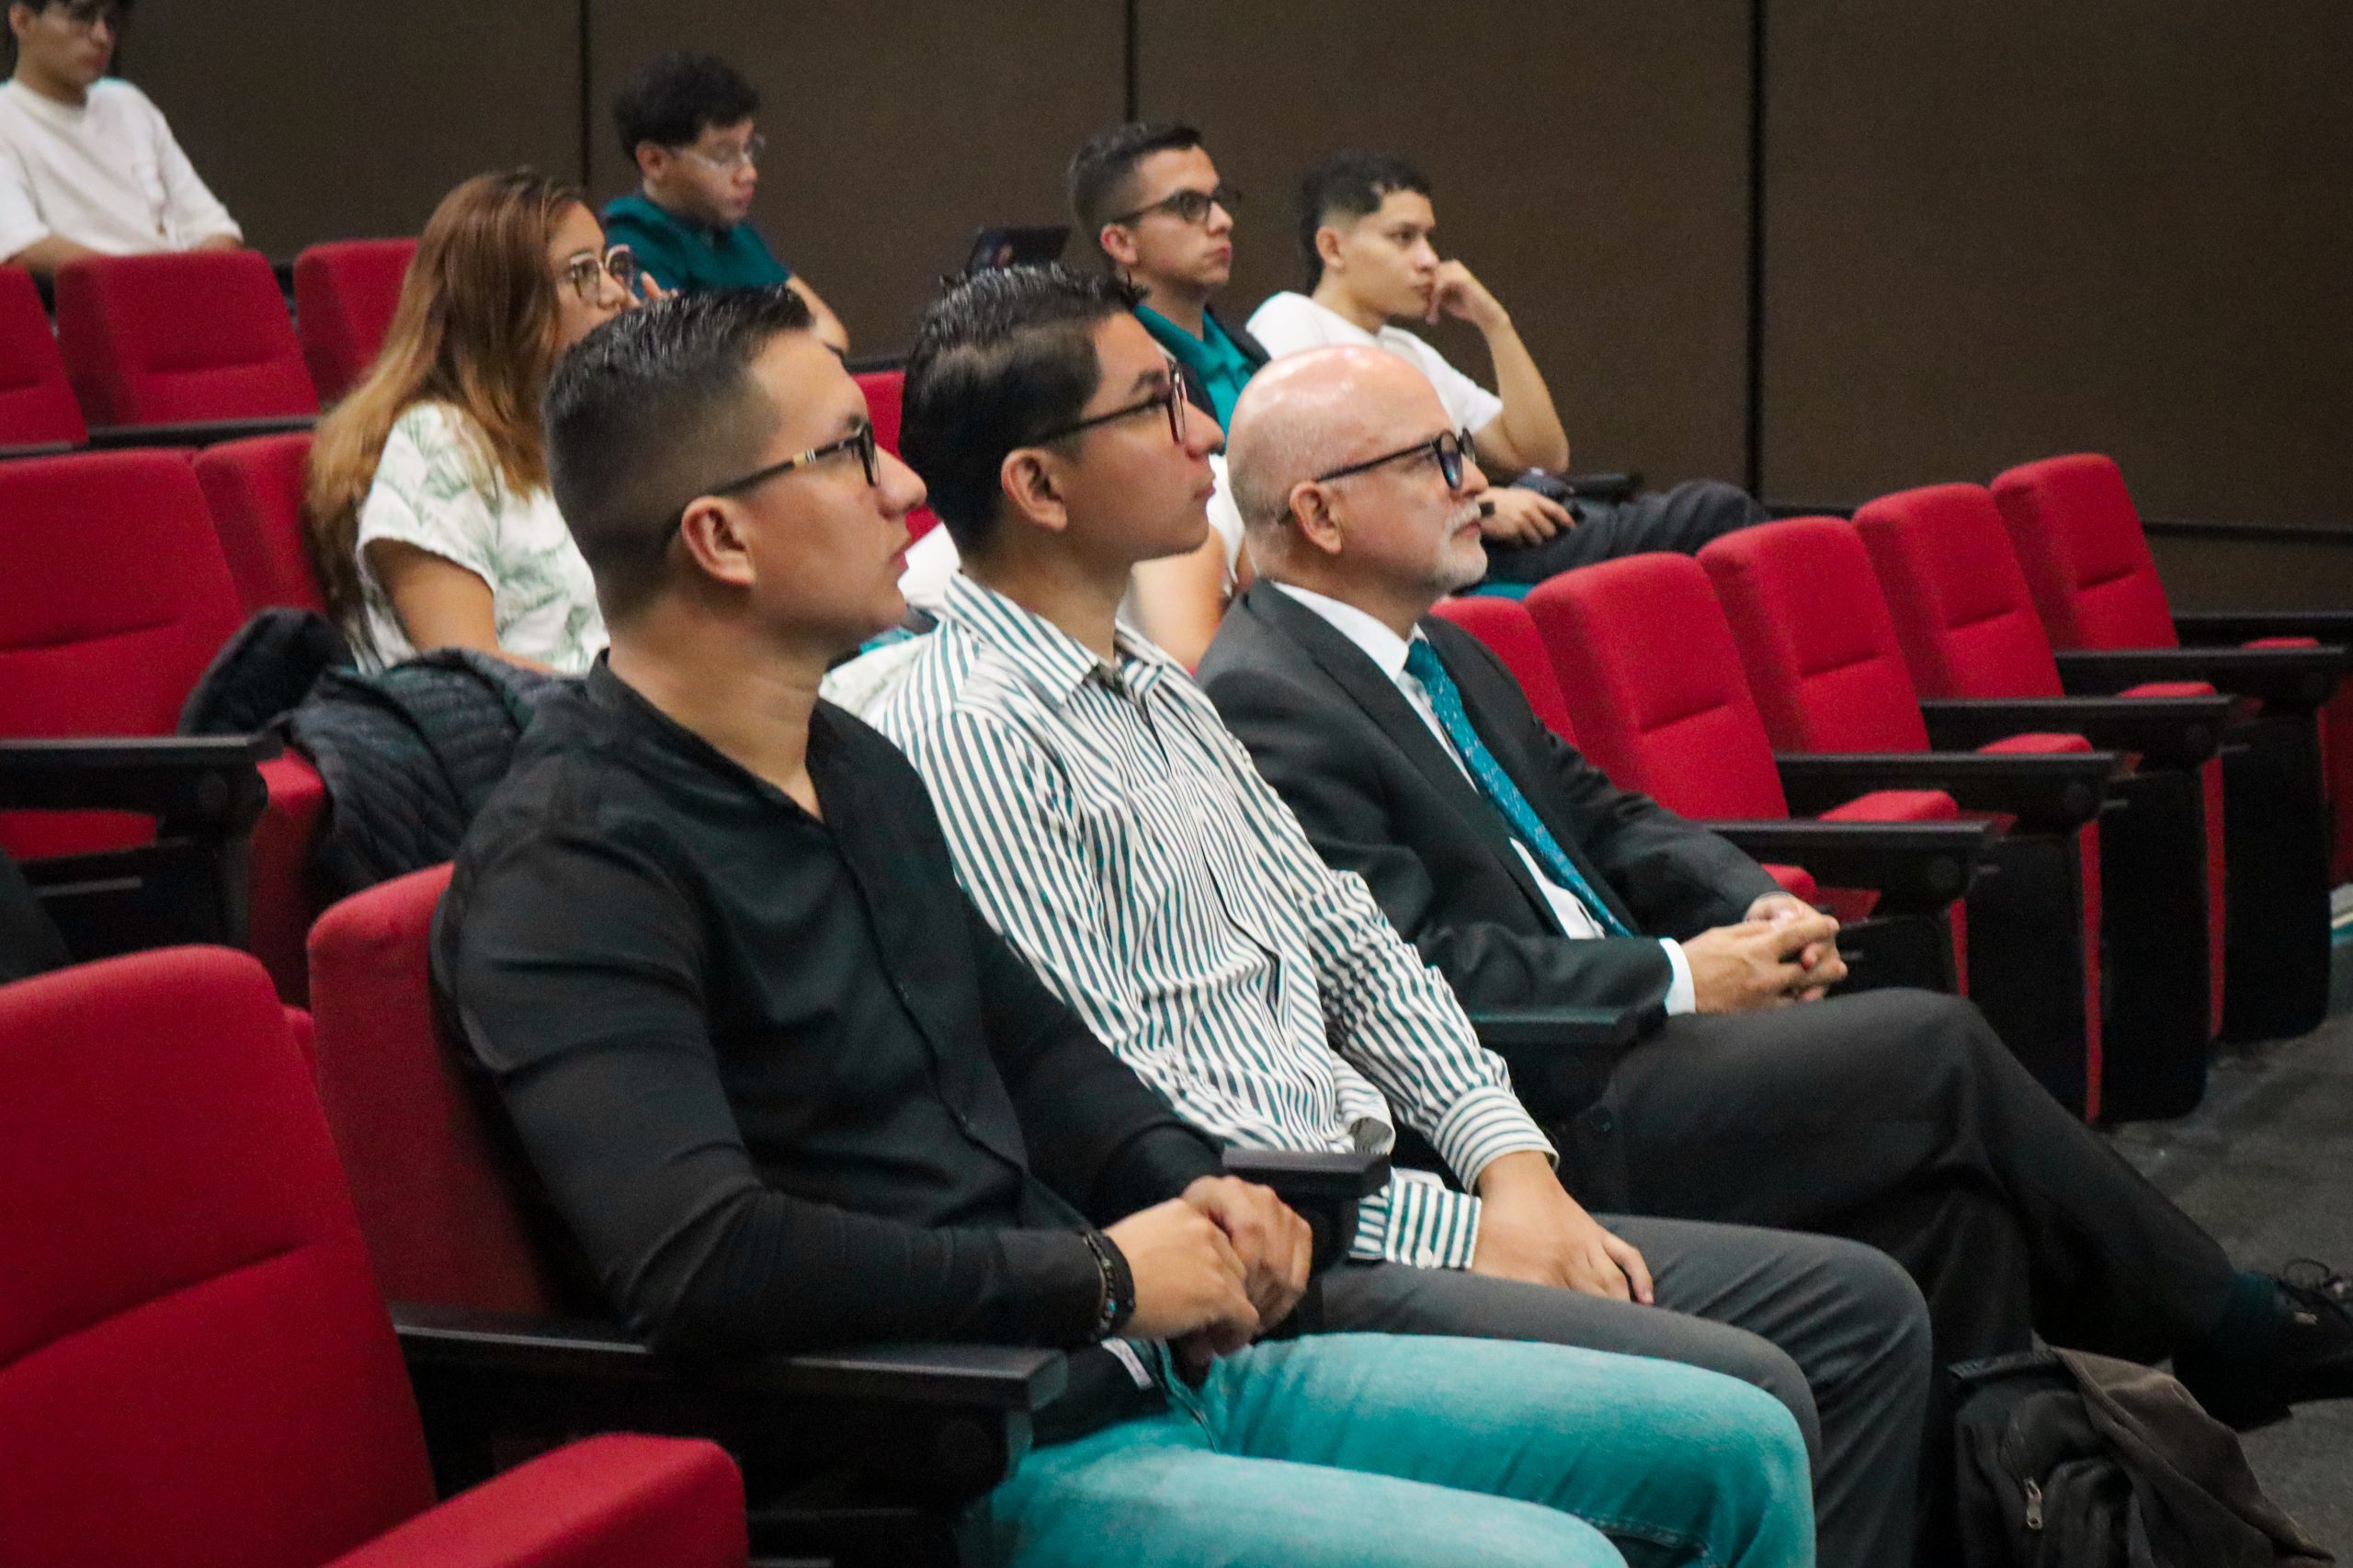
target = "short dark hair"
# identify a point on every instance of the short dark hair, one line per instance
(1102, 172)
(999, 359)
(674, 98)
(648, 412)
(1345, 187)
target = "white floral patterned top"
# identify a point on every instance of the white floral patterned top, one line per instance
(435, 489)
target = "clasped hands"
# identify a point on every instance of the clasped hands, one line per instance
(1214, 1268)
(1783, 951)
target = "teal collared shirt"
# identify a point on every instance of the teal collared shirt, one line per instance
(684, 255)
(1214, 361)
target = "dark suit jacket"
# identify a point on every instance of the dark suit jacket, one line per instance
(1379, 796)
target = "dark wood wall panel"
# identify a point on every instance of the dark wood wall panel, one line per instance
(1589, 164)
(893, 132)
(326, 121)
(2001, 229)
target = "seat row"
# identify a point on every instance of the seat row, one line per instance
(2162, 870)
(152, 347)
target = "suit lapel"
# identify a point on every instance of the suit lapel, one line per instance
(1365, 684)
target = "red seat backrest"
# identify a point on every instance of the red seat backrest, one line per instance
(1963, 612)
(1509, 632)
(1654, 687)
(436, 1193)
(254, 491)
(36, 405)
(2078, 539)
(113, 598)
(345, 294)
(179, 336)
(885, 393)
(1815, 638)
(194, 1366)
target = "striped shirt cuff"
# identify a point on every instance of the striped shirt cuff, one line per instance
(1417, 1220)
(1483, 1126)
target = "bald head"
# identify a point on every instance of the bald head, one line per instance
(1309, 414)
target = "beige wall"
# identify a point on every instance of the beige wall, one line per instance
(1993, 231)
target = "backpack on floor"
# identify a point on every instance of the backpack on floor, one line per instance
(2071, 1460)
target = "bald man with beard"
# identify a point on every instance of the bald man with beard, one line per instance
(1895, 1118)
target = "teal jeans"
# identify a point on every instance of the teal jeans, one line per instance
(1369, 1449)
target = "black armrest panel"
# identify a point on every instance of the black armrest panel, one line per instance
(198, 432)
(1505, 1029)
(191, 781)
(1313, 1174)
(36, 449)
(1602, 486)
(2246, 625)
(2046, 791)
(988, 1377)
(2170, 732)
(2291, 678)
(1915, 867)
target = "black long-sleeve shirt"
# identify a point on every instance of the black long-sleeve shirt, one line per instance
(784, 1084)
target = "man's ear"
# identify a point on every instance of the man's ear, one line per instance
(712, 535)
(1312, 514)
(1327, 248)
(1031, 488)
(652, 159)
(1117, 242)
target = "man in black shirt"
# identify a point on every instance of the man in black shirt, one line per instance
(788, 1089)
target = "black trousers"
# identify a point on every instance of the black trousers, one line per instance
(1897, 1117)
(1680, 520)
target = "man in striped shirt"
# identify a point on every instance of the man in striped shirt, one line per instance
(1105, 822)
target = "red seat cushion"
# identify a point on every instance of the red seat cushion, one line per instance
(345, 294)
(1896, 806)
(2078, 539)
(179, 336)
(1815, 636)
(194, 1366)
(1669, 715)
(1963, 613)
(1509, 632)
(2036, 741)
(37, 406)
(1795, 879)
(114, 599)
(254, 492)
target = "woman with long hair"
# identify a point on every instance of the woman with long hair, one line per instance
(431, 524)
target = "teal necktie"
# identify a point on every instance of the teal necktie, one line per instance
(1422, 663)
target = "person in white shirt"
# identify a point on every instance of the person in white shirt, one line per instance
(88, 165)
(1366, 227)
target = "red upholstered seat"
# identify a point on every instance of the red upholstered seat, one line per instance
(1653, 682)
(2079, 540)
(1509, 632)
(194, 1366)
(37, 406)
(884, 391)
(115, 598)
(254, 492)
(345, 293)
(437, 1203)
(179, 336)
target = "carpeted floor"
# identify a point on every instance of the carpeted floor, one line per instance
(2266, 1163)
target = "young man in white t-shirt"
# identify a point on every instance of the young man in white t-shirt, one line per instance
(1365, 224)
(87, 165)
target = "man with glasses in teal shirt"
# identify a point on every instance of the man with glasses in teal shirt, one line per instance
(685, 121)
(1150, 199)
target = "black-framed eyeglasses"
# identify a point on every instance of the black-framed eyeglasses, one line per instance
(860, 440)
(1190, 206)
(586, 274)
(1172, 400)
(1451, 448)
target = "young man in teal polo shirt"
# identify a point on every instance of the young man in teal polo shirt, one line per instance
(685, 121)
(1150, 199)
